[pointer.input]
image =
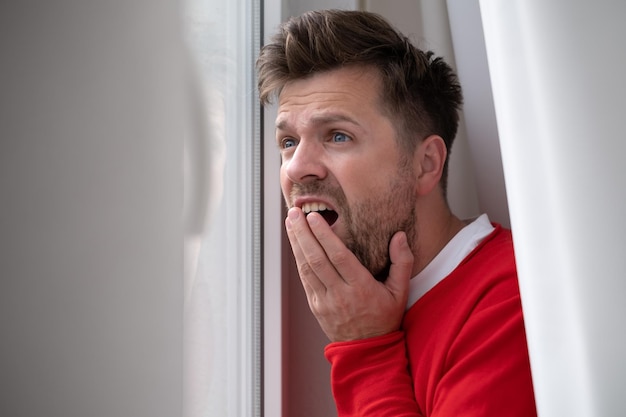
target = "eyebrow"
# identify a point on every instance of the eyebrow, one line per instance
(321, 119)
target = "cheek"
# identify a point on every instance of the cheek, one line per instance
(285, 186)
(367, 179)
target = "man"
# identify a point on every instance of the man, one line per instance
(422, 309)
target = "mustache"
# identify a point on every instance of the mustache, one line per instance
(319, 188)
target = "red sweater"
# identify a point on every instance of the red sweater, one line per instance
(461, 350)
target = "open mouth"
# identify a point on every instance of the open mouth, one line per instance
(328, 214)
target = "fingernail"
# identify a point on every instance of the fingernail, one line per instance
(312, 218)
(288, 224)
(293, 214)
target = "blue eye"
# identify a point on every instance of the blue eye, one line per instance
(340, 137)
(287, 143)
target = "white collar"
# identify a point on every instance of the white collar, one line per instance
(449, 258)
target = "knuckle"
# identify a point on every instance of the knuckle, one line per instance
(317, 263)
(312, 266)
(305, 269)
(319, 310)
(339, 257)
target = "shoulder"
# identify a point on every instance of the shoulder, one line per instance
(486, 276)
(495, 254)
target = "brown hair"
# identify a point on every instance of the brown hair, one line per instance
(419, 91)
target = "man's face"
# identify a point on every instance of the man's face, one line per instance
(340, 157)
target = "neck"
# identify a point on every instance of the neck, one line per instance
(433, 234)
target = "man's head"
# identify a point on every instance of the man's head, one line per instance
(419, 92)
(364, 125)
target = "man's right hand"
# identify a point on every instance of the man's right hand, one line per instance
(348, 302)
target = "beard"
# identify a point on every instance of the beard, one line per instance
(371, 223)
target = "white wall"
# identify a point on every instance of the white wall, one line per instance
(297, 7)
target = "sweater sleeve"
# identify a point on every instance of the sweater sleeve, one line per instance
(370, 377)
(486, 372)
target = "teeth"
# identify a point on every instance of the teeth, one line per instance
(309, 207)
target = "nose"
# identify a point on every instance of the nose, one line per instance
(305, 163)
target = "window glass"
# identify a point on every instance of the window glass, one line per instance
(222, 311)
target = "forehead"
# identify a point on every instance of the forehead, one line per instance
(351, 91)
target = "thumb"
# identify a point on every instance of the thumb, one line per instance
(401, 267)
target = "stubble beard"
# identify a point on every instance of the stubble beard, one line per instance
(371, 223)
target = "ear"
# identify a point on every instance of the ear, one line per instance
(429, 159)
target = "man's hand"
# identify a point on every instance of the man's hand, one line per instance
(348, 302)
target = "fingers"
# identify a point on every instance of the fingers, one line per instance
(401, 266)
(344, 263)
(314, 267)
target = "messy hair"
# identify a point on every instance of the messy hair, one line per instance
(420, 92)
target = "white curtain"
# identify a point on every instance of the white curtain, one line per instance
(557, 70)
